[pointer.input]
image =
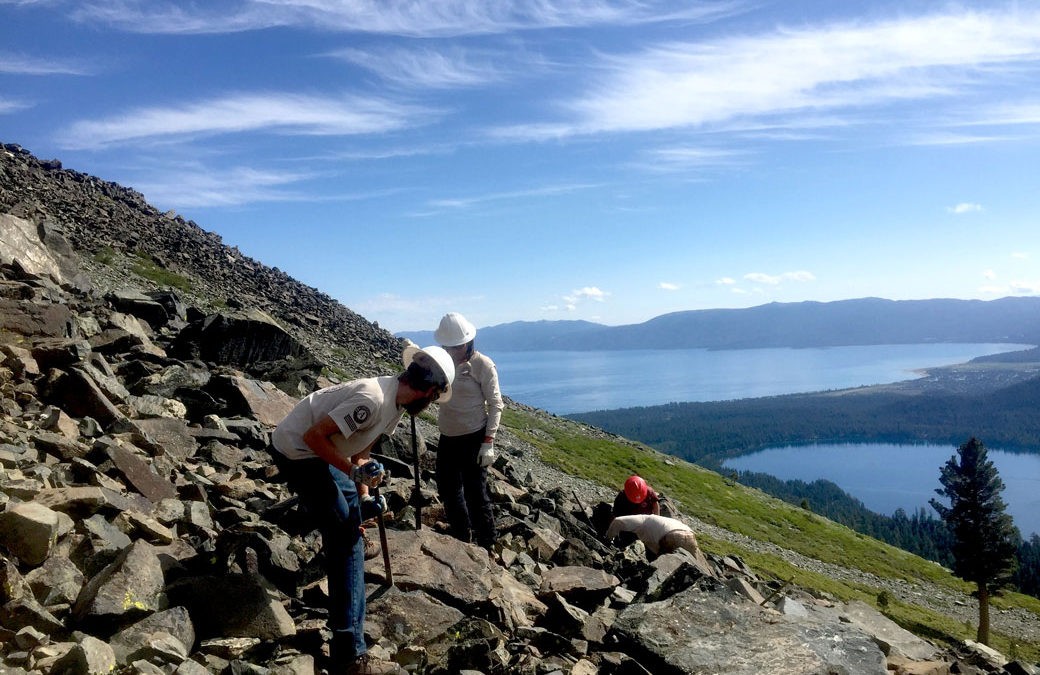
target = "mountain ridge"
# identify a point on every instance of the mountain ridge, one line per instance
(858, 321)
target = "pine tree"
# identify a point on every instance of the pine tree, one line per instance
(985, 538)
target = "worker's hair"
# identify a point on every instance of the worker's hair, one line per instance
(421, 378)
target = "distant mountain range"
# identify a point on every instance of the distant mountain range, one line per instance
(864, 321)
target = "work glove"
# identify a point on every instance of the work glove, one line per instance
(372, 506)
(370, 473)
(486, 454)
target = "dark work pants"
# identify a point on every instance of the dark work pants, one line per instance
(462, 488)
(331, 500)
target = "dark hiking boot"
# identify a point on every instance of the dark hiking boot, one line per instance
(372, 549)
(367, 665)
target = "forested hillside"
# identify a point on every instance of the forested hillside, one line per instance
(709, 432)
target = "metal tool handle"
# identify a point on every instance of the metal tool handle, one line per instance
(382, 542)
(417, 490)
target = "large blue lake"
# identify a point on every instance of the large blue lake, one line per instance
(569, 382)
(886, 477)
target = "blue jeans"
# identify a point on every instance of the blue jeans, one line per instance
(331, 499)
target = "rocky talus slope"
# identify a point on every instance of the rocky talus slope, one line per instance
(101, 219)
(144, 529)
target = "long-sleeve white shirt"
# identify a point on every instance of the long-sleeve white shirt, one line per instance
(476, 402)
(650, 529)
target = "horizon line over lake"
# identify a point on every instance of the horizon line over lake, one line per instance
(564, 382)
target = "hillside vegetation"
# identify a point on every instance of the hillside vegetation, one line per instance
(708, 496)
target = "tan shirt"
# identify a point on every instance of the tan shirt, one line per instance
(649, 528)
(362, 409)
(475, 401)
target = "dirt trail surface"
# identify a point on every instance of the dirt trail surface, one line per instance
(961, 606)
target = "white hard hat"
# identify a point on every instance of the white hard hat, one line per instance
(436, 357)
(454, 330)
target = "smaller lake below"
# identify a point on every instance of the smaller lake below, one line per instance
(886, 477)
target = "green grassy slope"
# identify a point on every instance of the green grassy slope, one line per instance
(584, 451)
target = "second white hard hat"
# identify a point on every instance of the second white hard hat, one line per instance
(432, 356)
(454, 330)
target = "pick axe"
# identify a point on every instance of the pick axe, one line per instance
(417, 490)
(382, 542)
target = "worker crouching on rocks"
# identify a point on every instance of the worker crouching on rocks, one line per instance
(659, 534)
(323, 447)
(637, 498)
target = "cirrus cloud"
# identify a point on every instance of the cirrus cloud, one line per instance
(777, 279)
(281, 113)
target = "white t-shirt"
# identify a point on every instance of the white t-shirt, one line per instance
(362, 409)
(475, 401)
(649, 528)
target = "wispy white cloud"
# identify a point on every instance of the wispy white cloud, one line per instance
(1017, 287)
(18, 64)
(777, 279)
(1020, 255)
(367, 154)
(547, 191)
(672, 159)
(726, 281)
(426, 68)
(940, 138)
(395, 17)
(989, 274)
(964, 207)
(1023, 287)
(194, 186)
(281, 113)
(784, 73)
(668, 286)
(414, 310)
(12, 105)
(1005, 114)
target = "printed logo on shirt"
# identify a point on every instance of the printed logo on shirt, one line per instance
(358, 417)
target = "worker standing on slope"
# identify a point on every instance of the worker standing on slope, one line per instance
(323, 449)
(468, 424)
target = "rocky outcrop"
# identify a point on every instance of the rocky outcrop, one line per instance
(105, 221)
(144, 528)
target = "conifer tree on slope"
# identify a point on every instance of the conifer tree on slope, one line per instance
(985, 538)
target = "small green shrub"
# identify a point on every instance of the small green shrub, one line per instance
(105, 256)
(147, 268)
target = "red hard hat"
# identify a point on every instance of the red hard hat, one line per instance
(635, 489)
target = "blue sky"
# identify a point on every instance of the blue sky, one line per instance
(606, 160)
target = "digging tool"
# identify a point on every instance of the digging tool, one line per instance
(382, 542)
(417, 490)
